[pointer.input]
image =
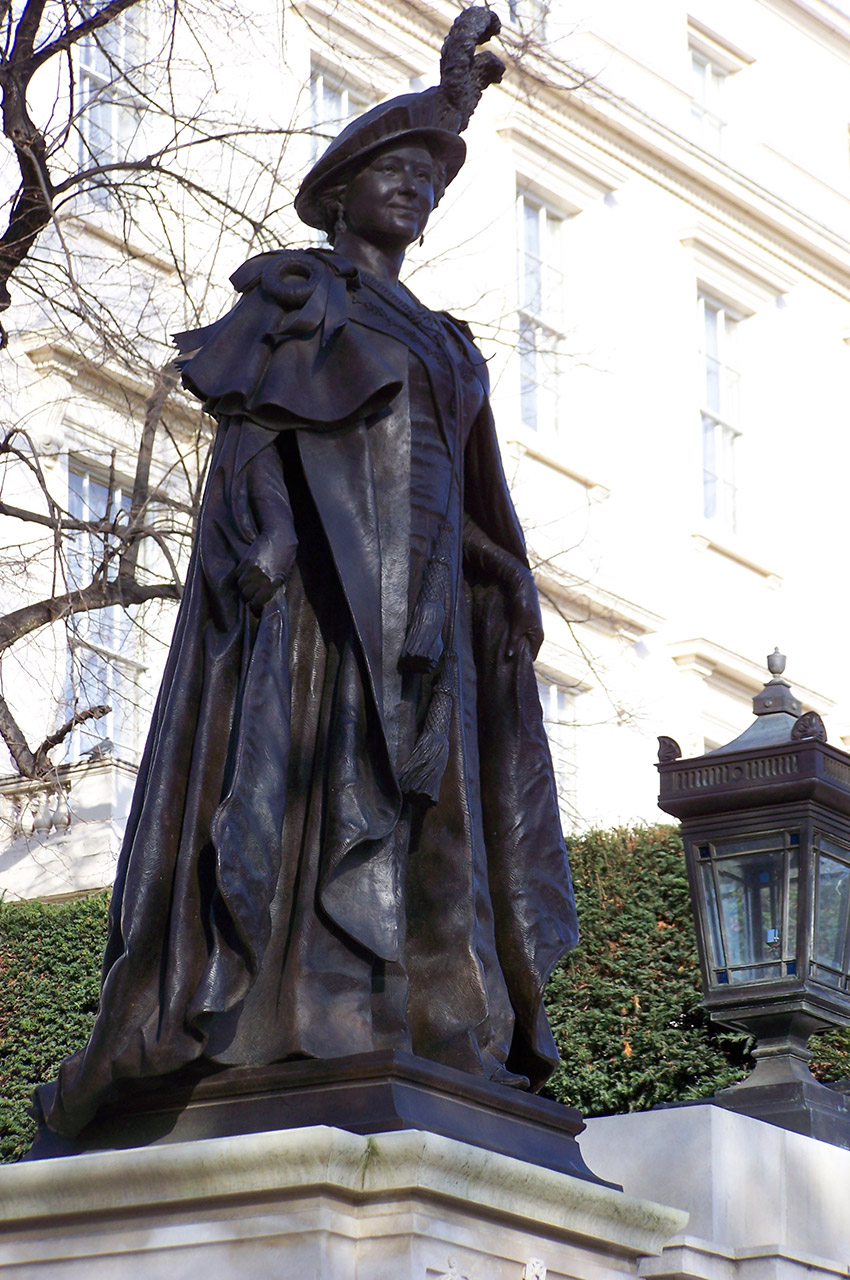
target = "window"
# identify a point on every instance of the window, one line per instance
(540, 291)
(111, 60)
(529, 17)
(559, 720)
(332, 105)
(708, 81)
(102, 665)
(714, 63)
(719, 411)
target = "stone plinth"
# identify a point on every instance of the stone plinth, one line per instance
(365, 1093)
(317, 1204)
(763, 1202)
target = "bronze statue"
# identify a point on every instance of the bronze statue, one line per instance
(345, 833)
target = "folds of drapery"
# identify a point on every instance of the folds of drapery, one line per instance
(201, 858)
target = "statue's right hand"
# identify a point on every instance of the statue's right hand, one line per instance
(264, 569)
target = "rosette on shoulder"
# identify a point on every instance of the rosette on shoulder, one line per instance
(286, 354)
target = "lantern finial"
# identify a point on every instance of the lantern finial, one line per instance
(776, 662)
(776, 710)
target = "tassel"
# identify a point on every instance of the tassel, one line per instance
(423, 774)
(423, 643)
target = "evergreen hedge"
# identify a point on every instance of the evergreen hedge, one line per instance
(50, 956)
(624, 1005)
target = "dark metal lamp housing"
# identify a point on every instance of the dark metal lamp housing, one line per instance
(766, 829)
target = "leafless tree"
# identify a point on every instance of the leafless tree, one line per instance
(111, 169)
(95, 233)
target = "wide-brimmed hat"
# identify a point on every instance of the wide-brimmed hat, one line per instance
(434, 117)
(404, 120)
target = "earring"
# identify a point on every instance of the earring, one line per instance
(422, 240)
(339, 225)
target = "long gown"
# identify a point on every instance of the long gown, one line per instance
(278, 895)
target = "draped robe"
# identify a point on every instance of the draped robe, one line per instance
(276, 894)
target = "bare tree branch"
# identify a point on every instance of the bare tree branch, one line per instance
(98, 595)
(12, 735)
(59, 735)
(26, 32)
(85, 28)
(164, 383)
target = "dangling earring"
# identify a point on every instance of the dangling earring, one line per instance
(339, 225)
(422, 240)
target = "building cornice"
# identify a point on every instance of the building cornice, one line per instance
(566, 110)
(738, 674)
(606, 609)
(108, 383)
(631, 138)
(815, 17)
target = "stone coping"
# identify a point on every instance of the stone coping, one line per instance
(286, 1164)
(689, 1258)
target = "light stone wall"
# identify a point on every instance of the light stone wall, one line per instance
(319, 1204)
(762, 1201)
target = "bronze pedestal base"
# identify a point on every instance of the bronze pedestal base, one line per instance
(365, 1093)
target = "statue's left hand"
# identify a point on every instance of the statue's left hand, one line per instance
(264, 569)
(526, 622)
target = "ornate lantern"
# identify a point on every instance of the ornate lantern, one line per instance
(766, 828)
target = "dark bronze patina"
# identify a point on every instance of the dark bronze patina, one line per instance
(345, 836)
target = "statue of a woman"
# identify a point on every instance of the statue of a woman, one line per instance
(345, 833)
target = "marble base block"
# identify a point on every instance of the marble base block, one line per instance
(318, 1204)
(764, 1203)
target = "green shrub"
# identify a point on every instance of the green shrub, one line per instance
(50, 957)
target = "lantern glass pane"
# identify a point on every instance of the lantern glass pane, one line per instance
(717, 957)
(750, 892)
(789, 937)
(832, 912)
(773, 840)
(751, 903)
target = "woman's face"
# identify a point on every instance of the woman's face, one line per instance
(388, 202)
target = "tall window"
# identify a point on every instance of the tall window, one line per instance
(719, 410)
(529, 17)
(102, 666)
(540, 292)
(333, 104)
(111, 60)
(708, 83)
(559, 719)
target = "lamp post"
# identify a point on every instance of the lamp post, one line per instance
(766, 828)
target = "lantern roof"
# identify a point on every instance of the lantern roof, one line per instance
(782, 758)
(777, 714)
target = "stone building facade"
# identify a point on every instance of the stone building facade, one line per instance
(650, 241)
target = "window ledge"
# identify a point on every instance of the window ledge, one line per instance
(716, 48)
(618, 615)
(548, 449)
(95, 226)
(708, 540)
(736, 673)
